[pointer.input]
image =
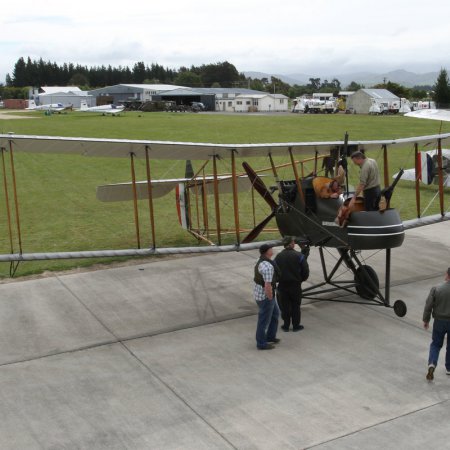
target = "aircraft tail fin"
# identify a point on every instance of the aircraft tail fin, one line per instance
(31, 104)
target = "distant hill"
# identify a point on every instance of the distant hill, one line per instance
(290, 79)
(368, 79)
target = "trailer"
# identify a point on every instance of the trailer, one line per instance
(309, 105)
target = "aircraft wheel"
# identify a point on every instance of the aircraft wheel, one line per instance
(367, 283)
(400, 308)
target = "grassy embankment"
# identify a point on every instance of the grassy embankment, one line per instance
(59, 210)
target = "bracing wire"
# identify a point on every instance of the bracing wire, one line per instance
(430, 203)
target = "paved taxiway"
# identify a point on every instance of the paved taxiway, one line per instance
(162, 355)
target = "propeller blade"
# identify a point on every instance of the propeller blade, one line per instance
(259, 185)
(255, 232)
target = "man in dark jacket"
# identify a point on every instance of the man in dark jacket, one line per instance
(438, 304)
(294, 269)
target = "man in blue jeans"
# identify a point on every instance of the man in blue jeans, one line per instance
(438, 304)
(266, 276)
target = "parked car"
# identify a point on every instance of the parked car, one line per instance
(198, 106)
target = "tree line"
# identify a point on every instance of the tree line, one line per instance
(36, 73)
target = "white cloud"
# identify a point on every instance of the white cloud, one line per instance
(280, 37)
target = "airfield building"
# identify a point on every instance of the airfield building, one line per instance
(215, 99)
(130, 92)
(245, 100)
(185, 96)
(261, 102)
(362, 100)
(66, 95)
(67, 98)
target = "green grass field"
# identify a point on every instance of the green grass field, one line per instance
(59, 210)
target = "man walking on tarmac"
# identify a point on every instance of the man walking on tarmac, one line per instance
(438, 304)
(264, 291)
(294, 269)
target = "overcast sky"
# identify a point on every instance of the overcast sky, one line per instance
(315, 37)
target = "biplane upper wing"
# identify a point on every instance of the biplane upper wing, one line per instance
(434, 114)
(190, 150)
(97, 147)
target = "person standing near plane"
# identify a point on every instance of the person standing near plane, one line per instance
(264, 291)
(294, 269)
(340, 176)
(369, 182)
(438, 305)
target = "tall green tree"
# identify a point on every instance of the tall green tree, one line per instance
(442, 89)
(19, 78)
(255, 84)
(314, 84)
(223, 73)
(277, 86)
(139, 72)
(395, 88)
(188, 78)
(78, 79)
(354, 86)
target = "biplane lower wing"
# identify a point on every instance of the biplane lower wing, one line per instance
(154, 150)
(408, 224)
(136, 252)
(423, 221)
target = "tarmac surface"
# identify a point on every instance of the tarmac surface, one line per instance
(163, 355)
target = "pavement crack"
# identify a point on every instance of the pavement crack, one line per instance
(92, 313)
(178, 396)
(393, 419)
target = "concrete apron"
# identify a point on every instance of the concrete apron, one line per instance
(162, 355)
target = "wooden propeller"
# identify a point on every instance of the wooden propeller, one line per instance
(261, 188)
(259, 185)
(255, 232)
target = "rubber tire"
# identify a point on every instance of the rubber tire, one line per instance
(362, 275)
(400, 308)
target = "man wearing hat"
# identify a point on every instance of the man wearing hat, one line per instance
(264, 291)
(438, 304)
(294, 269)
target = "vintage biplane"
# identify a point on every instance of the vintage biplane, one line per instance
(294, 201)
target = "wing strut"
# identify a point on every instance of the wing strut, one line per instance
(441, 177)
(13, 267)
(216, 199)
(235, 196)
(385, 166)
(136, 214)
(8, 209)
(297, 180)
(150, 196)
(417, 165)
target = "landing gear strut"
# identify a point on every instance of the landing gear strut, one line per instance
(365, 283)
